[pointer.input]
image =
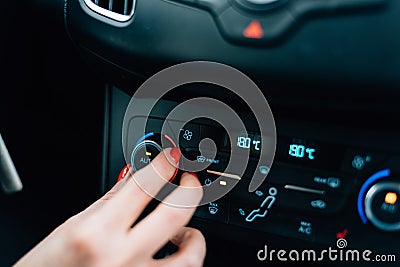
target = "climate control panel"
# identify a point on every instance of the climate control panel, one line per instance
(315, 191)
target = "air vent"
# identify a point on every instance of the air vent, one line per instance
(119, 10)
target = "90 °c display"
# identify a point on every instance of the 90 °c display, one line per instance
(301, 151)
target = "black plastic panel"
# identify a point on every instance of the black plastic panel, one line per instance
(355, 47)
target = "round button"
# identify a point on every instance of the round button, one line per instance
(144, 153)
(382, 206)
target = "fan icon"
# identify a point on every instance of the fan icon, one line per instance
(187, 135)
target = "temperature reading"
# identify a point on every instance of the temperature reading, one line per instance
(252, 142)
(300, 151)
(256, 144)
(243, 142)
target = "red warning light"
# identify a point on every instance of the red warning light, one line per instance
(254, 30)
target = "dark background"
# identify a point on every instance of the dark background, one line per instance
(51, 114)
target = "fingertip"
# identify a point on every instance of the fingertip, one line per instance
(125, 172)
(164, 164)
(175, 154)
(190, 179)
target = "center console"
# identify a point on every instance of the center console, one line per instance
(325, 183)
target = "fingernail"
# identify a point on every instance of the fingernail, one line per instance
(175, 154)
(194, 174)
(123, 172)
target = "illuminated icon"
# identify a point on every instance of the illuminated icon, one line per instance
(262, 211)
(215, 161)
(254, 30)
(207, 182)
(256, 144)
(319, 204)
(213, 208)
(222, 182)
(333, 182)
(343, 234)
(259, 193)
(359, 162)
(148, 154)
(187, 135)
(241, 212)
(145, 160)
(391, 198)
(305, 228)
(299, 151)
(264, 170)
(201, 159)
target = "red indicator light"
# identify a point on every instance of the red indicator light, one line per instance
(254, 30)
(343, 234)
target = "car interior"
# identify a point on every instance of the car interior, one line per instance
(329, 69)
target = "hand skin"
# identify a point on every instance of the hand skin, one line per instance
(102, 234)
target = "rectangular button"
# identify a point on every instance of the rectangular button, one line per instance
(300, 228)
(308, 202)
(360, 163)
(201, 161)
(214, 211)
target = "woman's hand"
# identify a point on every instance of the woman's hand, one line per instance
(102, 234)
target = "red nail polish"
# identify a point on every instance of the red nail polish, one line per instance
(194, 174)
(176, 154)
(123, 172)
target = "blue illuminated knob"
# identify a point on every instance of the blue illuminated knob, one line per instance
(382, 205)
(144, 153)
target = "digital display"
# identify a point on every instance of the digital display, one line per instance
(293, 150)
(301, 151)
(244, 142)
(309, 153)
(248, 142)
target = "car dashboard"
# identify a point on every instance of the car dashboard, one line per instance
(329, 70)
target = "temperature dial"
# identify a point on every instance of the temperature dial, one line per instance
(382, 205)
(144, 153)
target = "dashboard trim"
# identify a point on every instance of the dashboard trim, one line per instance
(107, 16)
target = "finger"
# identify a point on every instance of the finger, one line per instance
(122, 178)
(191, 252)
(162, 224)
(129, 202)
